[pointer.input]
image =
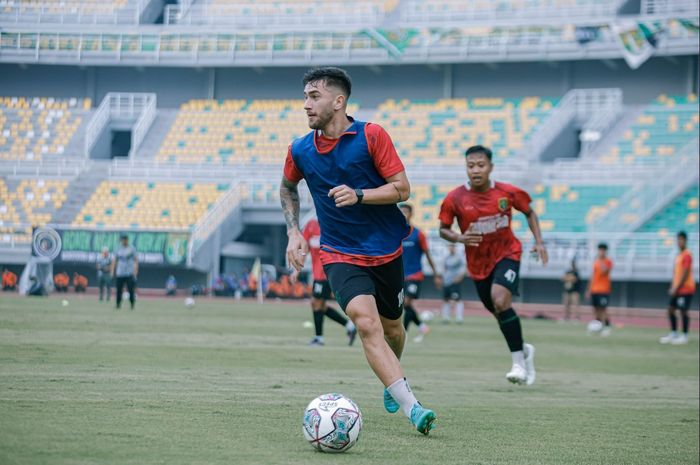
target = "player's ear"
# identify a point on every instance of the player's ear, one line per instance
(339, 102)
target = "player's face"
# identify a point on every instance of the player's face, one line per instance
(320, 103)
(681, 242)
(479, 169)
(602, 253)
(407, 213)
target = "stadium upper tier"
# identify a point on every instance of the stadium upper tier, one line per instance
(39, 127)
(165, 205)
(31, 203)
(235, 131)
(661, 130)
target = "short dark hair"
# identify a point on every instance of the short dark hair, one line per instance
(479, 149)
(407, 206)
(332, 76)
(682, 234)
(603, 246)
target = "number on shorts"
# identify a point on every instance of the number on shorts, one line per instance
(510, 276)
(400, 297)
(412, 288)
(318, 288)
(681, 301)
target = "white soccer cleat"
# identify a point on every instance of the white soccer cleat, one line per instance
(517, 374)
(667, 338)
(679, 340)
(530, 364)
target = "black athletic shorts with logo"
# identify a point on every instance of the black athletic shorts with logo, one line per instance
(681, 302)
(413, 288)
(600, 300)
(321, 290)
(452, 292)
(507, 274)
(384, 282)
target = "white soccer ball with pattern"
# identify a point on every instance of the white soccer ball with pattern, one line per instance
(426, 315)
(189, 302)
(332, 423)
(594, 326)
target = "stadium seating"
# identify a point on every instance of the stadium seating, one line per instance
(439, 131)
(165, 205)
(34, 128)
(32, 203)
(297, 6)
(660, 131)
(58, 7)
(680, 214)
(234, 131)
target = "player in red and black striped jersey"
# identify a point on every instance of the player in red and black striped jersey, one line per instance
(321, 289)
(482, 208)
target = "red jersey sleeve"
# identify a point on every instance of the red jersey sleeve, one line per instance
(386, 160)
(447, 212)
(686, 262)
(422, 241)
(306, 232)
(521, 199)
(291, 171)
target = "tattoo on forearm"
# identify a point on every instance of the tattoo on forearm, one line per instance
(289, 198)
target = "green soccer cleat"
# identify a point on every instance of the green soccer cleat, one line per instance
(390, 404)
(422, 418)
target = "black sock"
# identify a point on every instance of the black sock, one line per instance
(318, 323)
(336, 316)
(607, 321)
(686, 322)
(413, 315)
(674, 321)
(511, 329)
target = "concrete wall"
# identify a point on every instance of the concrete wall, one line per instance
(675, 75)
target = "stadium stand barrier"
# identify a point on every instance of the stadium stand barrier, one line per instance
(51, 13)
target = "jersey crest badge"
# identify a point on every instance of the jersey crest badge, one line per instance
(503, 204)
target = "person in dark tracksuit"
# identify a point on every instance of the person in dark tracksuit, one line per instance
(104, 275)
(125, 268)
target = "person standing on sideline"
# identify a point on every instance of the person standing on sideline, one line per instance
(125, 268)
(571, 296)
(454, 269)
(681, 292)
(600, 288)
(104, 275)
(356, 178)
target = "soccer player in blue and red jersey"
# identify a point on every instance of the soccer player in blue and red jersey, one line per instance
(483, 211)
(356, 179)
(414, 247)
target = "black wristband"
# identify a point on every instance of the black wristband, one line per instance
(359, 194)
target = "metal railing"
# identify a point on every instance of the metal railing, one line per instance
(96, 125)
(62, 167)
(182, 45)
(283, 16)
(143, 123)
(651, 7)
(70, 13)
(580, 106)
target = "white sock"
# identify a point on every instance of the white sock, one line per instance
(423, 327)
(446, 311)
(349, 325)
(674, 334)
(518, 358)
(319, 338)
(402, 394)
(460, 310)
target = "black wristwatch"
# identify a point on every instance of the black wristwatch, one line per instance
(359, 194)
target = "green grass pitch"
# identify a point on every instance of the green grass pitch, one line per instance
(227, 382)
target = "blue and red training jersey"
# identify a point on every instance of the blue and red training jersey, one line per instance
(361, 158)
(414, 246)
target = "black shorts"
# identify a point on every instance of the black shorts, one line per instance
(507, 274)
(413, 289)
(384, 282)
(681, 302)
(600, 300)
(452, 292)
(321, 290)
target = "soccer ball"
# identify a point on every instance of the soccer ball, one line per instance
(594, 326)
(426, 315)
(332, 423)
(189, 302)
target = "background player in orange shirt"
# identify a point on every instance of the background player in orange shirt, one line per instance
(483, 209)
(681, 292)
(321, 290)
(600, 287)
